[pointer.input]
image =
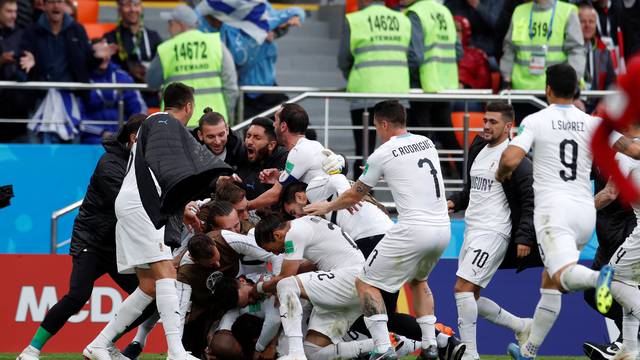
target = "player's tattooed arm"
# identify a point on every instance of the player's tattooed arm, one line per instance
(607, 195)
(346, 200)
(628, 147)
(509, 161)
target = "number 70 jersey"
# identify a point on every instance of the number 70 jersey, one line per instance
(560, 136)
(410, 166)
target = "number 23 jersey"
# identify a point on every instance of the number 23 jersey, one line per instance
(560, 136)
(411, 167)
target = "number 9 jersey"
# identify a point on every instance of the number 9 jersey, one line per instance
(560, 136)
(564, 213)
(411, 168)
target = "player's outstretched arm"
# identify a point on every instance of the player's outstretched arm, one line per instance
(509, 161)
(346, 200)
(267, 198)
(628, 146)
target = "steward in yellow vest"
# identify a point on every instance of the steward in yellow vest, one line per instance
(439, 68)
(198, 60)
(542, 33)
(434, 33)
(374, 56)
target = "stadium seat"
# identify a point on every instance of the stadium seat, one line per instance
(475, 121)
(97, 31)
(88, 11)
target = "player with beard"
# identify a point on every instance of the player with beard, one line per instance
(306, 160)
(498, 218)
(262, 152)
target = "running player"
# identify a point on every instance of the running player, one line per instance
(564, 214)
(626, 263)
(491, 226)
(411, 168)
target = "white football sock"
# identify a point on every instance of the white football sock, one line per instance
(130, 309)
(377, 326)
(629, 297)
(467, 318)
(342, 350)
(630, 326)
(578, 277)
(428, 327)
(169, 308)
(145, 328)
(545, 315)
(491, 311)
(291, 313)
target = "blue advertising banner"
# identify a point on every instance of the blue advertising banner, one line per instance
(46, 178)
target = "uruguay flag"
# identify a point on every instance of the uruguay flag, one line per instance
(248, 15)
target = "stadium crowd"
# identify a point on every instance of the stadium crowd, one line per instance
(259, 246)
(595, 39)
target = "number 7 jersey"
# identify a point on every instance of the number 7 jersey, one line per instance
(410, 166)
(560, 136)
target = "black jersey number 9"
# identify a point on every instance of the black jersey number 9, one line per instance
(433, 172)
(572, 163)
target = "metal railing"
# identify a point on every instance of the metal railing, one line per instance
(45, 85)
(326, 94)
(54, 225)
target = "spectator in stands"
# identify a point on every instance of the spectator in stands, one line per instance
(261, 69)
(208, 69)
(70, 9)
(102, 104)
(56, 48)
(9, 47)
(434, 32)
(631, 27)
(599, 73)
(29, 11)
(374, 59)
(542, 33)
(473, 69)
(137, 44)
(214, 132)
(262, 152)
(483, 16)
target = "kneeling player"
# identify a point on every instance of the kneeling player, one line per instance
(331, 290)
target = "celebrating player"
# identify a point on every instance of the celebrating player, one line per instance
(564, 214)
(411, 168)
(496, 214)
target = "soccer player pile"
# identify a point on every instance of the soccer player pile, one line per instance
(314, 273)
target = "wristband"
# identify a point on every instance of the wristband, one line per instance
(259, 287)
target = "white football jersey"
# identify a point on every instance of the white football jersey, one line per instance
(321, 242)
(631, 168)
(560, 136)
(488, 207)
(304, 161)
(368, 221)
(411, 167)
